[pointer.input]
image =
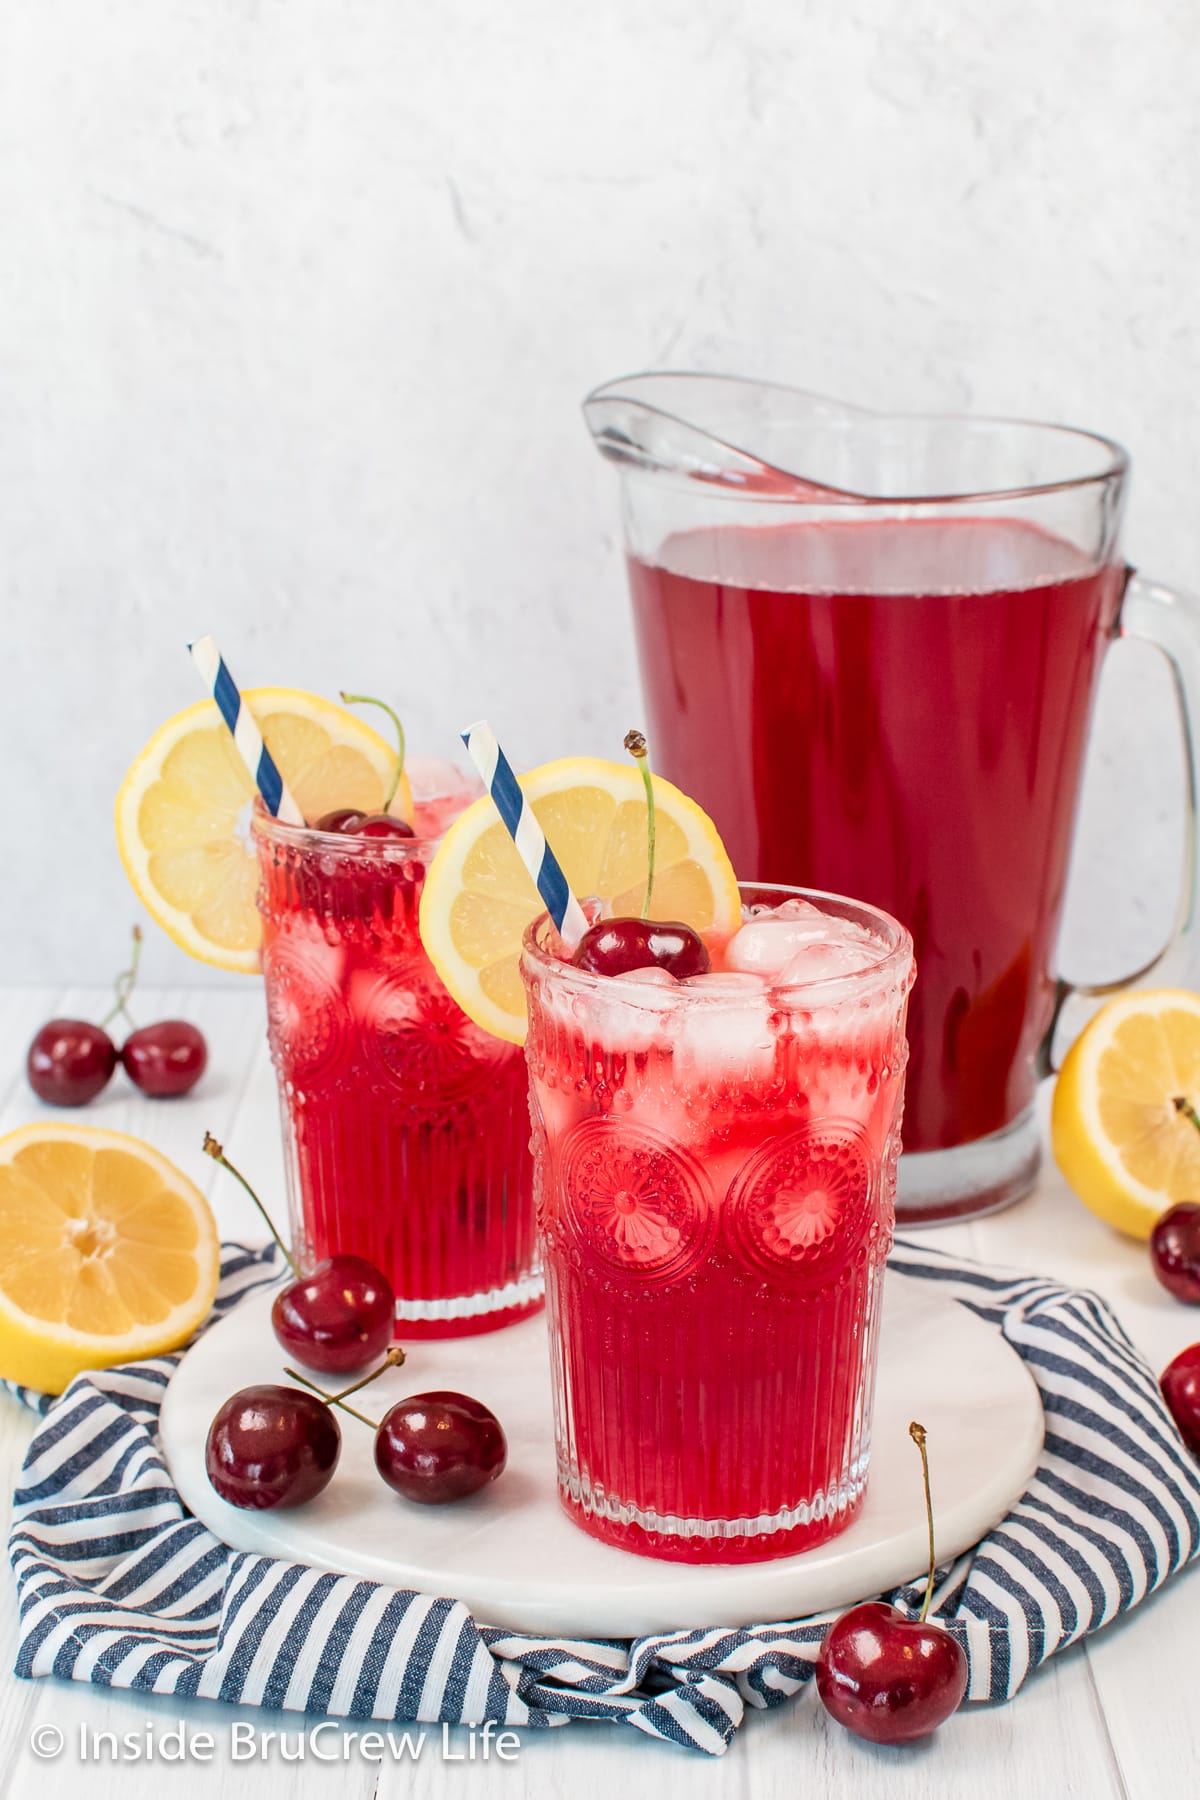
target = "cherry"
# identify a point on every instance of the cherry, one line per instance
(1175, 1251)
(440, 1446)
(166, 1059)
(70, 1061)
(347, 821)
(615, 946)
(342, 818)
(383, 825)
(339, 1318)
(1180, 1384)
(888, 1678)
(431, 1448)
(272, 1446)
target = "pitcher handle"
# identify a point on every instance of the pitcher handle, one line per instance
(1170, 620)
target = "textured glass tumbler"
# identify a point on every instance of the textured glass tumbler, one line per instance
(715, 1178)
(405, 1125)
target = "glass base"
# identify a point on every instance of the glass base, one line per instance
(466, 1315)
(675, 1538)
(934, 1187)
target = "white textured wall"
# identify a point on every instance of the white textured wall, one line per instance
(298, 301)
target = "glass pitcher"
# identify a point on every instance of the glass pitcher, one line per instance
(870, 648)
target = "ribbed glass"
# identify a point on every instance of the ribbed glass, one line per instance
(715, 1200)
(405, 1125)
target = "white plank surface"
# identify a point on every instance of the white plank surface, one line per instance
(1115, 1717)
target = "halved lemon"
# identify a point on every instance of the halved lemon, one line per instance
(1125, 1123)
(107, 1253)
(183, 809)
(479, 897)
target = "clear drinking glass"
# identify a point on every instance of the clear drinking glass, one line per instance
(870, 646)
(715, 1177)
(405, 1125)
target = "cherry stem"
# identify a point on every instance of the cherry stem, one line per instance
(1183, 1105)
(392, 1360)
(917, 1434)
(370, 700)
(125, 983)
(213, 1149)
(635, 743)
(330, 1399)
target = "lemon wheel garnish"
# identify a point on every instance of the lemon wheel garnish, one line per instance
(107, 1253)
(183, 808)
(479, 898)
(1120, 1121)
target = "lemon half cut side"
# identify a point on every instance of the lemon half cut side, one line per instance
(108, 1253)
(1122, 1117)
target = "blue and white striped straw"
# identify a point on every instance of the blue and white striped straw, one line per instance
(244, 731)
(525, 832)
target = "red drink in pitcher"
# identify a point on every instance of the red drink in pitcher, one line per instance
(716, 1163)
(406, 1125)
(849, 719)
(869, 644)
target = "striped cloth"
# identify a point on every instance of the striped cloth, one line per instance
(121, 1586)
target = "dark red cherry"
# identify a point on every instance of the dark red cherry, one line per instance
(342, 818)
(339, 1318)
(887, 1678)
(382, 825)
(1175, 1251)
(166, 1059)
(1180, 1384)
(272, 1446)
(70, 1061)
(615, 946)
(440, 1446)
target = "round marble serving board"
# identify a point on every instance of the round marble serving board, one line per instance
(517, 1561)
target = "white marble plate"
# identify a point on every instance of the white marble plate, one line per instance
(516, 1560)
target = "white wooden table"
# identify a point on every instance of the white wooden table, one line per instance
(1117, 1716)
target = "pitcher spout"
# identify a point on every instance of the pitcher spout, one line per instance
(716, 429)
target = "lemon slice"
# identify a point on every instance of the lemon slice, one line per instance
(183, 809)
(1120, 1122)
(107, 1253)
(479, 898)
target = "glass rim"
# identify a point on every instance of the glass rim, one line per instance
(897, 961)
(264, 825)
(827, 495)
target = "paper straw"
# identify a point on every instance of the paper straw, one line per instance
(525, 832)
(246, 736)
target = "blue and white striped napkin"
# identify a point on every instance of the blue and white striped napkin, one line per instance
(121, 1586)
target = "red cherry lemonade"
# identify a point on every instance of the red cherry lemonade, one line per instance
(897, 710)
(716, 1164)
(406, 1126)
